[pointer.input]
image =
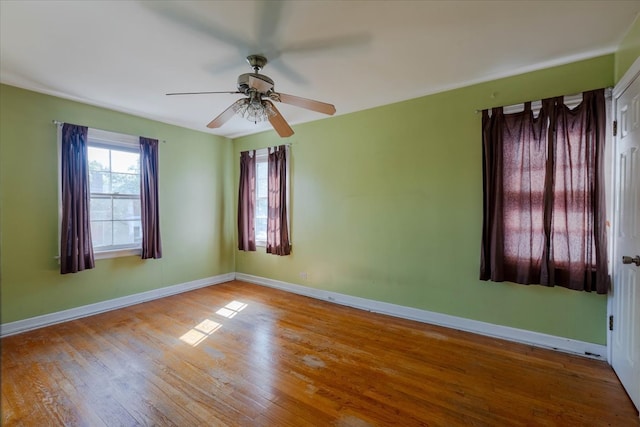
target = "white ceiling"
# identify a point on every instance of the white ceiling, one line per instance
(125, 55)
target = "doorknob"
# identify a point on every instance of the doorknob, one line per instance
(628, 260)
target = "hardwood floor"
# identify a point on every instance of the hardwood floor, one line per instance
(241, 354)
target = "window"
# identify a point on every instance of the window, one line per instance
(544, 205)
(114, 185)
(114, 182)
(262, 196)
(258, 188)
(110, 196)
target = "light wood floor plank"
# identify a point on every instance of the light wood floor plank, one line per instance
(237, 354)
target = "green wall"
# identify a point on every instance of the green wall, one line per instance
(196, 223)
(628, 51)
(387, 204)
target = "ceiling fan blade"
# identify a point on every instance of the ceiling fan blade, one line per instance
(269, 15)
(353, 41)
(291, 74)
(197, 93)
(191, 19)
(260, 85)
(278, 122)
(309, 104)
(228, 63)
(223, 117)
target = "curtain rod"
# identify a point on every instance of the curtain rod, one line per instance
(573, 98)
(59, 123)
(288, 144)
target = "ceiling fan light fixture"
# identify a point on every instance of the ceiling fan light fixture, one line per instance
(257, 111)
(258, 105)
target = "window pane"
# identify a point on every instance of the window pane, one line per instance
(124, 183)
(125, 161)
(126, 232)
(262, 194)
(101, 233)
(98, 159)
(126, 209)
(261, 179)
(100, 208)
(261, 229)
(99, 182)
(261, 207)
(262, 188)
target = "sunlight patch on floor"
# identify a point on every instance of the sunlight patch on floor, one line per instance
(208, 327)
(230, 310)
(201, 331)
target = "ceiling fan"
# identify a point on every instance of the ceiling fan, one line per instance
(257, 104)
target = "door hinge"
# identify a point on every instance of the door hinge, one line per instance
(615, 128)
(611, 323)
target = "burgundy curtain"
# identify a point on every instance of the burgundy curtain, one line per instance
(578, 242)
(76, 248)
(277, 224)
(543, 207)
(149, 206)
(247, 202)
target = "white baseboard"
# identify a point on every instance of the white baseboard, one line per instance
(19, 326)
(537, 339)
(594, 351)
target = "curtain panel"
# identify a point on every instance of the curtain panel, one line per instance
(76, 248)
(149, 205)
(277, 223)
(247, 202)
(543, 207)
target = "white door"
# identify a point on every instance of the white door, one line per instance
(625, 293)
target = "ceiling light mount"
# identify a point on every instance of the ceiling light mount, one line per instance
(257, 62)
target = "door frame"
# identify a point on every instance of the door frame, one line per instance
(629, 76)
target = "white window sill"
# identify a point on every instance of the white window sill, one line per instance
(263, 244)
(117, 253)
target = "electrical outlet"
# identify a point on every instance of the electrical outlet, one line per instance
(303, 275)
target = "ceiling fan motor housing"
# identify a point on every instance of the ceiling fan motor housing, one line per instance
(243, 81)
